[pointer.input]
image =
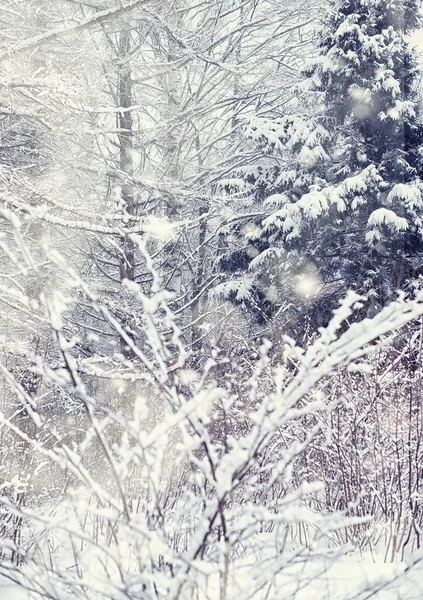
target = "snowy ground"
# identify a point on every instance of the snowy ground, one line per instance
(9, 591)
(347, 579)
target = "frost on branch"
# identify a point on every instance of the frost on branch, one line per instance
(176, 481)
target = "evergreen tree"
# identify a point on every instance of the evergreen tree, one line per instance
(338, 190)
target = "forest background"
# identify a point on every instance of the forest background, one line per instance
(211, 251)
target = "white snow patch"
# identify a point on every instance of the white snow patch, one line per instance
(384, 216)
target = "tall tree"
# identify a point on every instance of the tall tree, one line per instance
(338, 191)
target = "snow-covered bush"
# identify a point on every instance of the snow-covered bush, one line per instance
(161, 495)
